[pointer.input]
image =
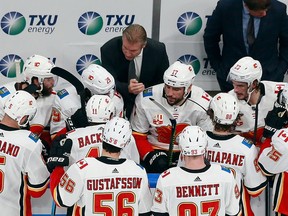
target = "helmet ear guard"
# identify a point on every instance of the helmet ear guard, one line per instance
(98, 80)
(193, 141)
(19, 105)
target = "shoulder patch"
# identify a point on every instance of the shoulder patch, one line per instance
(226, 169)
(247, 143)
(165, 173)
(4, 92)
(147, 92)
(62, 93)
(34, 137)
(82, 163)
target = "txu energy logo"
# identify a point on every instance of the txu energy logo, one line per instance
(191, 60)
(13, 23)
(8, 66)
(90, 23)
(85, 60)
(189, 23)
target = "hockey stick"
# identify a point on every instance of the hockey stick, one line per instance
(173, 131)
(66, 75)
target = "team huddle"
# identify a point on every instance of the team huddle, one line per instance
(96, 160)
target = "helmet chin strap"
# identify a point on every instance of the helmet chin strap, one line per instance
(249, 93)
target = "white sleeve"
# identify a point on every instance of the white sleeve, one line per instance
(139, 121)
(35, 167)
(71, 186)
(160, 199)
(253, 177)
(130, 151)
(232, 197)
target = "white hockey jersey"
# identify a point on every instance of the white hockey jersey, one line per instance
(147, 117)
(273, 160)
(87, 142)
(209, 191)
(22, 170)
(67, 102)
(266, 104)
(105, 186)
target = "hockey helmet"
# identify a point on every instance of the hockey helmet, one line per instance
(179, 75)
(20, 104)
(117, 132)
(100, 108)
(40, 67)
(98, 80)
(225, 108)
(245, 70)
(193, 141)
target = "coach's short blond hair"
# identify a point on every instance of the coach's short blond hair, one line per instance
(135, 33)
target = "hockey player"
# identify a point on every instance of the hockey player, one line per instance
(151, 125)
(197, 188)
(255, 98)
(273, 161)
(22, 169)
(37, 71)
(97, 81)
(106, 185)
(234, 151)
(87, 141)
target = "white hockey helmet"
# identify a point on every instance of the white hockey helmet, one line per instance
(280, 140)
(193, 141)
(40, 67)
(100, 109)
(20, 104)
(283, 98)
(179, 75)
(98, 80)
(225, 108)
(117, 132)
(245, 70)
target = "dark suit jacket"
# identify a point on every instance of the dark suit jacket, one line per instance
(226, 20)
(154, 63)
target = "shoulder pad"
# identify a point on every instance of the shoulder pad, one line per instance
(226, 169)
(148, 92)
(62, 93)
(247, 142)
(34, 137)
(4, 92)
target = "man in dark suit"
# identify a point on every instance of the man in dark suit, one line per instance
(269, 44)
(135, 61)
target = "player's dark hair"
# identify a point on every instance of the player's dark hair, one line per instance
(110, 148)
(256, 5)
(221, 127)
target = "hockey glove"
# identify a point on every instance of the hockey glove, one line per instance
(276, 118)
(156, 162)
(59, 152)
(79, 118)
